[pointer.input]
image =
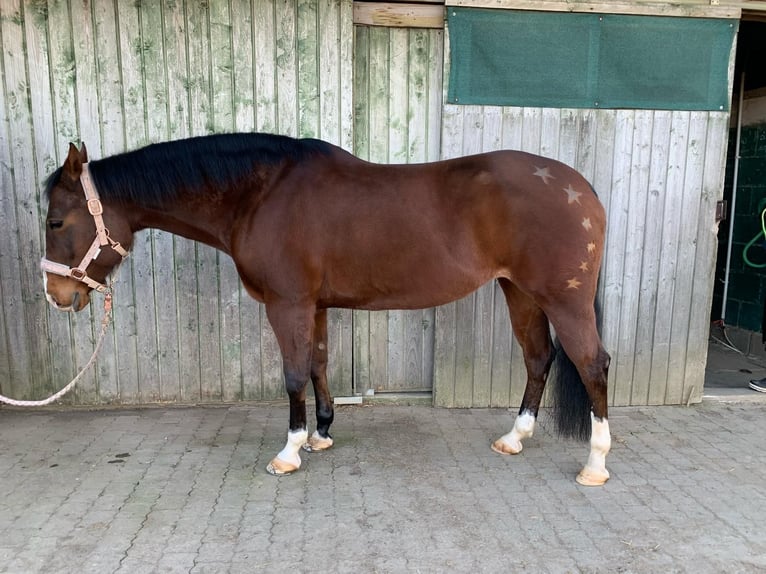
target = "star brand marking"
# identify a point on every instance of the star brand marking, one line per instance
(584, 266)
(591, 247)
(544, 174)
(573, 283)
(586, 224)
(572, 195)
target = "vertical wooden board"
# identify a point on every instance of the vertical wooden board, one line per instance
(64, 104)
(605, 141)
(143, 383)
(661, 353)
(25, 378)
(265, 59)
(174, 32)
(346, 70)
(713, 172)
(154, 76)
(482, 346)
(465, 314)
(159, 125)
(531, 135)
(569, 129)
(361, 332)
(222, 98)
(114, 358)
(201, 120)
(307, 66)
(446, 326)
(209, 304)
(452, 131)
(500, 392)
(435, 93)
(188, 321)
(334, 77)
(250, 345)
(121, 385)
(182, 308)
(490, 139)
(57, 324)
(632, 254)
(340, 342)
(329, 71)
(398, 94)
(418, 107)
(378, 96)
(512, 126)
(13, 341)
(230, 329)
(445, 356)
(617, 233)
(7, 376)
(272, 379)
(207, 267)
(33, 316)
(362, 103)
(223, 113)
(86, 86)
(287, 101)
(550, 131)
(660, 143)
(242, 44)
(86, 93)
(585, 146)
(686, 262)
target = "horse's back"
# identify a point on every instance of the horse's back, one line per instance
(378, 236)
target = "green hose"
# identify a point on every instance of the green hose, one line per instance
(761, 233)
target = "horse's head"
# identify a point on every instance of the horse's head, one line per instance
(83, 239)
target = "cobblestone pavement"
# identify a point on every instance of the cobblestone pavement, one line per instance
(404, 489)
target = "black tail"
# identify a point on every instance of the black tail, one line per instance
(570, 401)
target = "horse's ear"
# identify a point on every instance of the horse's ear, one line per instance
(73, 163)
(83, 153)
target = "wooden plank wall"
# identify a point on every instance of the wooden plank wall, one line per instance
(659, 175)
(397, 119)
(119, 75)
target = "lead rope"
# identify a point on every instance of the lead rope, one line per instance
(73, 382)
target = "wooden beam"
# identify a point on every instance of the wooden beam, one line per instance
(682, 8)
(397, 15)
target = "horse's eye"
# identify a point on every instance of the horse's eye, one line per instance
(55, 224)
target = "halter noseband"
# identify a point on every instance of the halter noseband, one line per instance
(95, 208)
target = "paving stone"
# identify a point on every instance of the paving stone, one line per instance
(404, 489)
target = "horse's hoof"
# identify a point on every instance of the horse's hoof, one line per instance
(590, 477)
(279, 467)
(317, 443)
(502, 447)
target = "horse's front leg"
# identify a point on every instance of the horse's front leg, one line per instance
(294, 328)
(320, 439)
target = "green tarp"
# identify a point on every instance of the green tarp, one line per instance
(554, 59)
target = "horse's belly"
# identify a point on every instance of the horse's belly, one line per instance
(415, 290)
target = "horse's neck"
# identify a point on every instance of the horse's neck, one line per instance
(208, 222)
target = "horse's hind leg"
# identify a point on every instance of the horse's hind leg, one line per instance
(320, 439)
(579, 339)
(530, 325)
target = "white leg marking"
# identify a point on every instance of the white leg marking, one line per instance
(595, 472)
(523, 428)
(295, 440)
(288, 459)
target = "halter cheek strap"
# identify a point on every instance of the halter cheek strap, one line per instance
(102, 239)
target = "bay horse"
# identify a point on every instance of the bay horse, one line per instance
(310, 227)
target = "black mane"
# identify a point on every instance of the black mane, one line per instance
(153, 175)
